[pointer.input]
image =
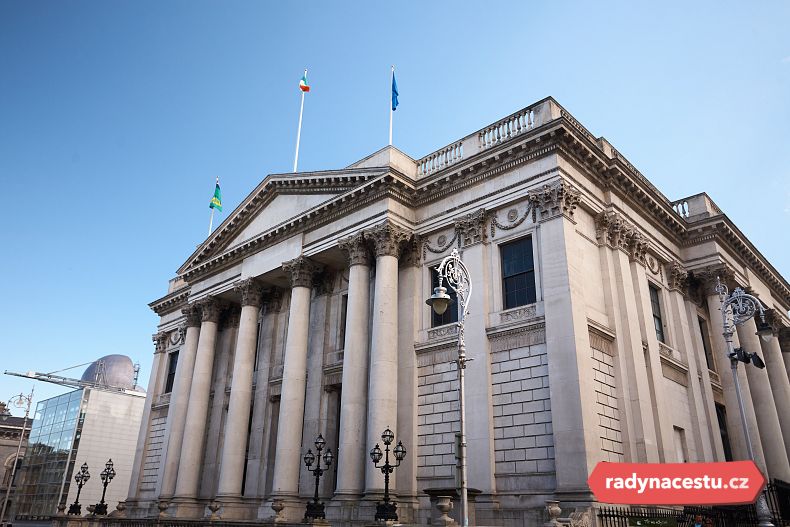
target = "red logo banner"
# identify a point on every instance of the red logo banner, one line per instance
(731, 483)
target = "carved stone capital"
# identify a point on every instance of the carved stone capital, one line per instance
(274, 300)
(554, 199)
(160, 341)
(637, 246)
(707, 277)
(412, 254)
(356, 249)
(677, 277)
(472, 227)
(192, 314)
(388, 239)
(301, 270)
(210, 309)
(611, 229)
(251, 292)
(324, 283)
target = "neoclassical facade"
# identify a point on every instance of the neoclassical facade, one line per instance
(594, 331)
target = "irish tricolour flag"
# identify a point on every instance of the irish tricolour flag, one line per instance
(303, 83)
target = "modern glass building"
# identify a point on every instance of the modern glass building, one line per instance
(54, 440)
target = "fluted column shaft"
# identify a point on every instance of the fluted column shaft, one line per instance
(352, 451)
(383, 376)
(195, 424)
(179, 401)
(237, 422)
(780, 385)
(764, 406)
(287, 460)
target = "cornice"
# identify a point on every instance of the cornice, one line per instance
(170, 302)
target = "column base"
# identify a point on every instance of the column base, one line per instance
(237, 508)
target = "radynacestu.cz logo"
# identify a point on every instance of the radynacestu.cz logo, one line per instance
(733, 482)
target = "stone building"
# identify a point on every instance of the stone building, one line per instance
(594, 329)
(11, 430)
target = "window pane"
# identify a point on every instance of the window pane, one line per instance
(518, 273)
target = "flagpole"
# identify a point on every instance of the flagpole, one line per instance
(211, 218)
(299, 130)
(392, 77)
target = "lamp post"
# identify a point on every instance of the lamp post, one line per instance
(736, 308)
(315, 509)
(386, 510)
(18, 401)
(455, 272)
(106, 477)
(81, 478)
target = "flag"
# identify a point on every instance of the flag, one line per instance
(216, 201)
(303, 83)
(394, 92)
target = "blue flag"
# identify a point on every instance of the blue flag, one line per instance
(394, 93)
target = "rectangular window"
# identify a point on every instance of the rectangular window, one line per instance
(703, 329)
(449, 316)
(721, 416)
(341, 337)
(681, 452)
(656, 306)
(518, 273)
(171, 372)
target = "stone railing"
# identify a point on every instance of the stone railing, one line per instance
(492, 135)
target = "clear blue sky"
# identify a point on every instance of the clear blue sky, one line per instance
(115, 118)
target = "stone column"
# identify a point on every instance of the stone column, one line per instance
(383, 377)
(352, 448)
(195, 424)
(719, 347)
(237, 422)
(780, 385)
(158, 366)
(288, 462)
(784, 345)
(764, 406)
(179, 400)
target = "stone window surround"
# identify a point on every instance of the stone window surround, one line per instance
(663, 314)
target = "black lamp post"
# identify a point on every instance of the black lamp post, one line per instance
(386, 510)
(81, 478)
(106, 476)
(315, 509)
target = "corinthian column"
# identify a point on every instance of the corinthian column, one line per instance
(780, 384)
(195, 424)
(179, 400)
(352, 451)
(237, 422)
(383, 376)
(287, 459)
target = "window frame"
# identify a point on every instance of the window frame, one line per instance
(532, 270)
(657, 305)
(170, 373)
(452, 309)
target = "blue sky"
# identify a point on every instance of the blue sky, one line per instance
(115, 118)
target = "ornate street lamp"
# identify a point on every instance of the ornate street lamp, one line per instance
(455, 272)
(19, 401)
(81, 478)
(386, 510)
(737, 308)
(106, 477)
(315, 509)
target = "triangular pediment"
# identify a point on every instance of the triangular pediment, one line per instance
(278, 199)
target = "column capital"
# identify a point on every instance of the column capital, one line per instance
(708, 276)
(210, 309)
(192, 314)
(160, 341)
(356, 249)
(300, 270)
(251, 292)
(388, 239)
(555, 199)
(677, 278)
(472, 227)
(274, 299)
(412, 253)
(232, 317)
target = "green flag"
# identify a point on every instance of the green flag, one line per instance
(216, 201)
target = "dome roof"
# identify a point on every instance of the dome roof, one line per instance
(112, 370)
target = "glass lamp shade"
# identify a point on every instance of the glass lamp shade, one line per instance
(399, 451)
(439, 300)
(387, 436)
(320, 442)
(375, 453)
(309, 458)
(328, 457)
(104, 475)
